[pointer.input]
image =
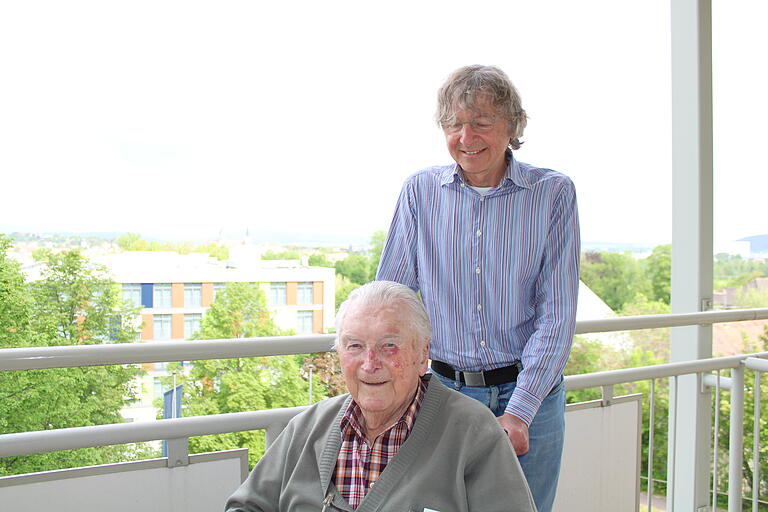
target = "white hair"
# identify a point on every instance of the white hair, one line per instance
(388, 293)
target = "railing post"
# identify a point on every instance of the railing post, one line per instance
(178, 452)
(736, 442)
(691, 26)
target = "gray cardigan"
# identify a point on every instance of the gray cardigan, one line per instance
(456, 458)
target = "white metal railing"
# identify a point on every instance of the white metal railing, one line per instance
(274, 420)
(31, 358)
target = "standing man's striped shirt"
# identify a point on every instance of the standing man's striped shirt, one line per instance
(498, 272)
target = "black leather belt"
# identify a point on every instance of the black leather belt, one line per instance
(486, 378)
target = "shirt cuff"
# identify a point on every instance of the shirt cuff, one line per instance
(523, 404)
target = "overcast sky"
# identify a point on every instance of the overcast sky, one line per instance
(186, 118)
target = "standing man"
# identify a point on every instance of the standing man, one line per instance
(492, 244)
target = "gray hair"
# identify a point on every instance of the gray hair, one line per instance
(463, 87)
(388, 293)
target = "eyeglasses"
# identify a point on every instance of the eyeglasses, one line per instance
(479, 124)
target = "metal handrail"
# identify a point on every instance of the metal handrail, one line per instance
(30, 358)
(614, 377)
(25, 443)
(40, 441)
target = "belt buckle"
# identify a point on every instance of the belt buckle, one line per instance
(474, 378)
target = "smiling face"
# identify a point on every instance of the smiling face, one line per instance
(381, 365)
(477, 139)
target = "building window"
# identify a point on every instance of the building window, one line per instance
(304, 324)
(161, 296)
(277, 294)
(162, 327)
(158, 386)
(218, 287)
(192, 324)
(304, 293)
(193, 295)
(132, 294)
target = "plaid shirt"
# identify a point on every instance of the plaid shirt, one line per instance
(359, 465)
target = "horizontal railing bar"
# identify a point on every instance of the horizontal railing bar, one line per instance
(101, 435)
(30, 358)
(613, 377)
(40, 441)
(631, 323)
(754, 363)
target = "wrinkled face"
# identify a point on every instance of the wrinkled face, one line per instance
(477, 139)
(380, 363)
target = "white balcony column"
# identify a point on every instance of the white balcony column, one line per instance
(691, 246)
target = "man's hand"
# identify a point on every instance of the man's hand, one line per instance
(517, 431)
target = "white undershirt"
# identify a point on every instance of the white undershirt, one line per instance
(483, 191)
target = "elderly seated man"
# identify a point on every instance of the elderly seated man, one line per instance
(400, 441)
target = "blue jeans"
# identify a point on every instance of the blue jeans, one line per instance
(541, 464)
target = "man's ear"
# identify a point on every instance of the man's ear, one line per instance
(424, 363)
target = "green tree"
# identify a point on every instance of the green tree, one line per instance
(41, 254)
(239, 311)
(749, 297)
(282, 255)
(82, 302)
(732, 270)
(15, 304)
(377, 245)
(319, 260)
(616, 278)
(134, 242)
(73, 303)
(343, 288)
(355, 267)
(654, 340)
(658, 268)
(232, 385)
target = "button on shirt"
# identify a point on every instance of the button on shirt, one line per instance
(498, 273)
(359, 464)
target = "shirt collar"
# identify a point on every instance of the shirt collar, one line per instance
(512, 175)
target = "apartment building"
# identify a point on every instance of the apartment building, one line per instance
(175, 291)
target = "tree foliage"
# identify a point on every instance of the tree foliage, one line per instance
(281, 255)
(733, 270)
(319, 260)
(377, 246)
(134, 242)
(658, 269)
(233, 385)
(356, 268)
(620, 279)
(239, 311)
(616, 278)
(749, 297)
(74, 302)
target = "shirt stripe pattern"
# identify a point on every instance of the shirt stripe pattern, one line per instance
(498, 273)
(359, 464)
